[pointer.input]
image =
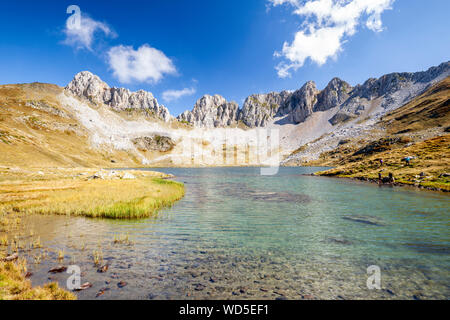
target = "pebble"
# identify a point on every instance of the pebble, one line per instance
(199, 287)
(101, 292)
(84, 286)
(390, 292)
(103, 269)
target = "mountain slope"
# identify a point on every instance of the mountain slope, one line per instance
(374, 96)
(89, 124)
(36, 130)
(430, 110)
(419, 129)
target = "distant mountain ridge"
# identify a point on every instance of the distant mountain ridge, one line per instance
(389, 91)
(90, 123)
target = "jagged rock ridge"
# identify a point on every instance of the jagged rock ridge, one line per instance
(89, 86)
(212, 112)
(259, 109)
(389, 91)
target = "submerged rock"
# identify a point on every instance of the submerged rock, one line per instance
(268, 196)
(12, 257)
(339, 241)
(58, 269)
(102, 292)
(84, 286)
(103, 269)
(364, 219)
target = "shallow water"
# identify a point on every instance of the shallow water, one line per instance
(239, 235)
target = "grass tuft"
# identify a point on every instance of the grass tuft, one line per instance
(14, 285)
(110, 199)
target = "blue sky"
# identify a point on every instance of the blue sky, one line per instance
(224, 47)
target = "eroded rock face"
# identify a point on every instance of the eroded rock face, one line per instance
(300, 104)
(154, 143)
(212, 112)
(341, 117)
(389, 91)
(334, 94)
(259, 109)
(89, 86)
(392, 90)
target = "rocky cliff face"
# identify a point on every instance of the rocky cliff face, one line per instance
(212, 112)
(300, 104)
(334, 94)
(88, 86)
(259, 109)
(388, 92)
(391, 91)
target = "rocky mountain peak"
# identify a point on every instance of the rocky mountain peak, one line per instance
(334, 94)
(88, 86)
(389, 92)
(212, 112)
(259, 109)
(300, 104)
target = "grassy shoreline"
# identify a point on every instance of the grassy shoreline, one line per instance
(428, 170)
(73, 192)
(15, 286)
(89, 193)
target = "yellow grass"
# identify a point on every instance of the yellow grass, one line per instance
(14, 285)
(426, 170)
(418, 129)
(42, 137)
(116, 198)
(65, 192)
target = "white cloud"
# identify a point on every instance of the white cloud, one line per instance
(171, 95)
(327, 26)
(145, 64)
(81, 35)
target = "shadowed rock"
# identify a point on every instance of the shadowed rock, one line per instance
(364, 219)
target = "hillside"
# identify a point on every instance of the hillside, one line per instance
(90, 124)
(36, 130)
(430, 110)
(419, 129)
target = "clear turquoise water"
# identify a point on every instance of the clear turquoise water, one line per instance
(237, 234)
